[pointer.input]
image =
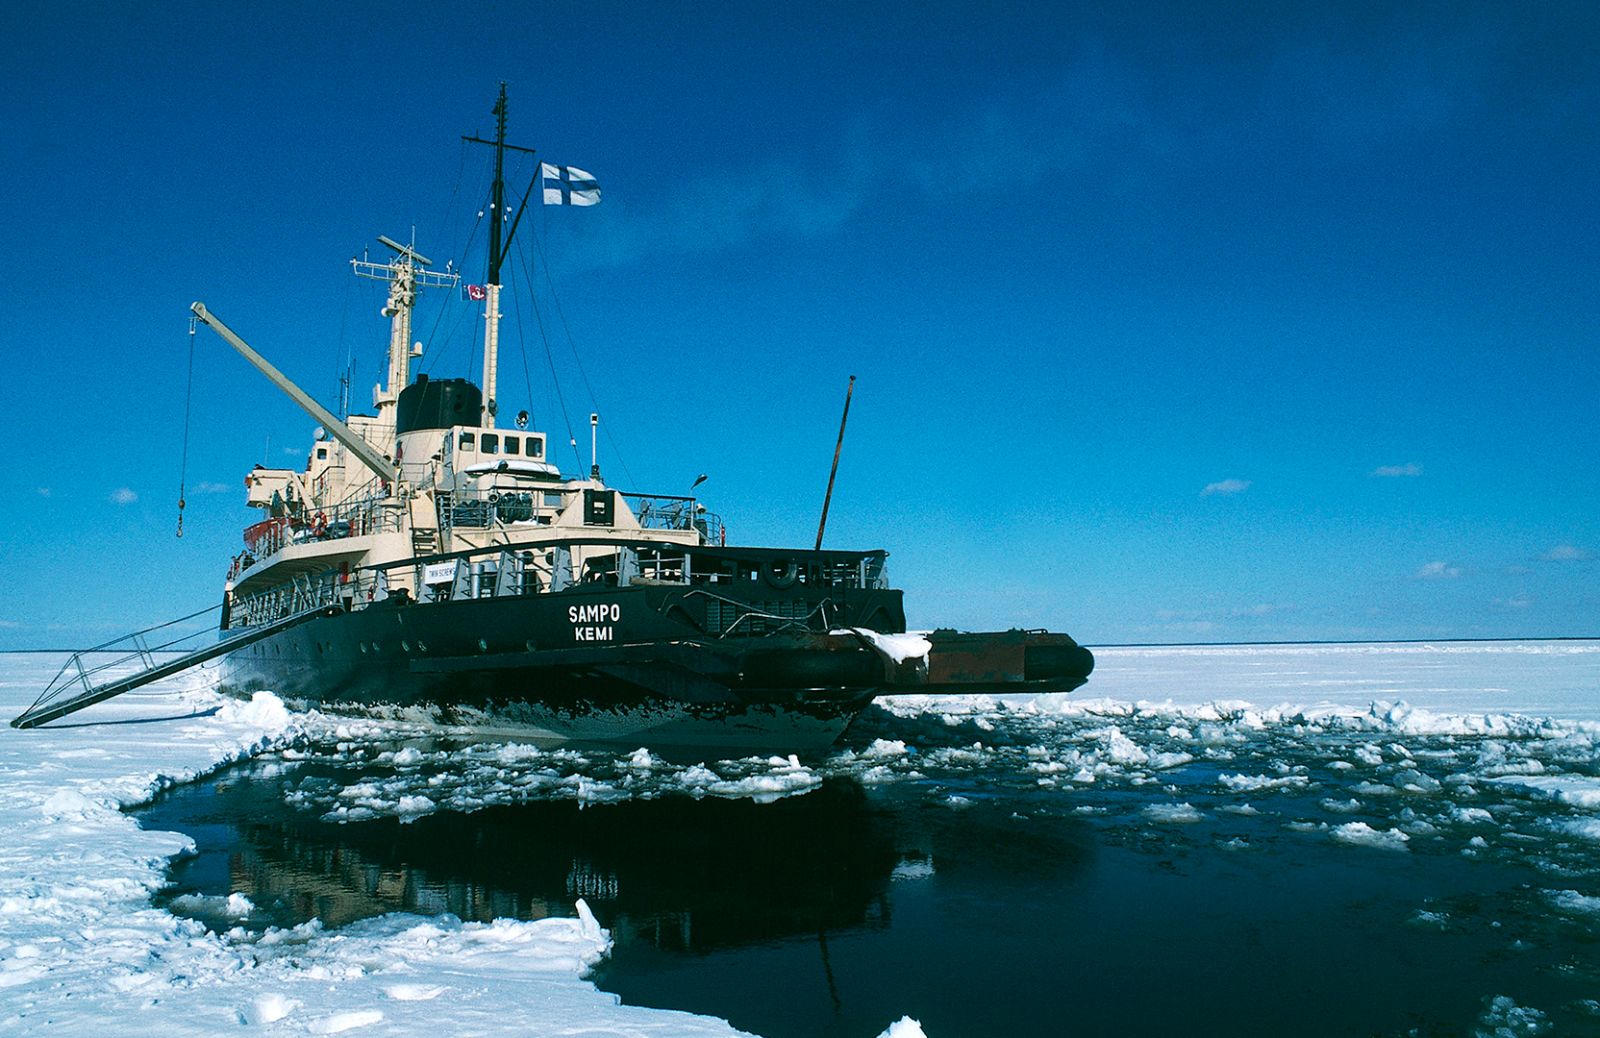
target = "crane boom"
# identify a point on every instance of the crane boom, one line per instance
(340, 431)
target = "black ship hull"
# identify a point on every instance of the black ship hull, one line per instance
(636, 665)
(616, 665)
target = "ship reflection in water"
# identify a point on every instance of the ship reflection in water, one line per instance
(954, 885)
(674, 873)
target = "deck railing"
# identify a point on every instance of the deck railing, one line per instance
(355, 518)
(498, 571)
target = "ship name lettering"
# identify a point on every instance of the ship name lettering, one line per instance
(586, 621)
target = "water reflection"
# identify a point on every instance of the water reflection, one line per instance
(968, 888)
(678, 873)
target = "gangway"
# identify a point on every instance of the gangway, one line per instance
(50, 705)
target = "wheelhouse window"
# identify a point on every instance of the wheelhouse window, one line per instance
(535, 447)
(513, 445)
(466, 441)
(490, 443)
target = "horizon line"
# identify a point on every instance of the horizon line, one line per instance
(1341, 641)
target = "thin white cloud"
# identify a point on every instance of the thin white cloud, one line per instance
(1194, 627)
(44, 491)
(208, 487)
(1437, 571)
(1398, 471)
(1516, 602)
(123, 496)
(1566, 553)
(1099, 107)
(1022, 135)
(1262, 609)
(1226, 486)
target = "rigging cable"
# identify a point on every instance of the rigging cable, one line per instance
(459, 258)
(572, 345)
(522, 343)
(188, 399)
(561, 398)
(455, 192)
(349, 361)
(433, 356)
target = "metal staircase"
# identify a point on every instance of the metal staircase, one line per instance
(77, 686)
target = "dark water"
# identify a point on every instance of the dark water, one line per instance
(963, 893)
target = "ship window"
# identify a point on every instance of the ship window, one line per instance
(552, 499)
(513, 445)
(535, 447)
(322, 454)
(490, 443)
(466, 441)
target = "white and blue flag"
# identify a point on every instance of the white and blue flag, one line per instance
(568, 185)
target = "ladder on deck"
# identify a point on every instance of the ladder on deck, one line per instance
(51, 705)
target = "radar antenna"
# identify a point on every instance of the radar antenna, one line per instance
(406, 274)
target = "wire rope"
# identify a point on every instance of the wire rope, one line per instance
(522, 348)
(550, 356)
(578, 359)
(188, 400)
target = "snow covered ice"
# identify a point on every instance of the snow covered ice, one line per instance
(82, 951)
(1481, 753)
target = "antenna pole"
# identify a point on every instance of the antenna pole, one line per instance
(594, 456)
(407, 274)
(491, 303)
(837, 447)
(498, 192)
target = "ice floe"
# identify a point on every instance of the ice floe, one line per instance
(83, 951)
(1483, 752)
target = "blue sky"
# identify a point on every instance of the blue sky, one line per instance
(1172, 322)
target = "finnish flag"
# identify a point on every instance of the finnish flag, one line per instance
(568, 185)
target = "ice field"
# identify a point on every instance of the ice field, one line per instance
(1479, 755)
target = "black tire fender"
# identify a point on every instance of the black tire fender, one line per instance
(780, 573)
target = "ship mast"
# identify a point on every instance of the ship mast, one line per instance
(405, 274)
(497, 247)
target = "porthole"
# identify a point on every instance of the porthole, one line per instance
(422, 647)
(363, 647)
(405, 646)
(529, 644)
(483, 646)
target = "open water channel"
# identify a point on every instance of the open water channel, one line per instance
(990, 870)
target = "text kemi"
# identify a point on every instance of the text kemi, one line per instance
(592, 622)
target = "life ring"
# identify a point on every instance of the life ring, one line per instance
(319, 525)
(780, 573)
